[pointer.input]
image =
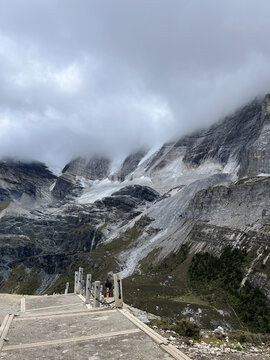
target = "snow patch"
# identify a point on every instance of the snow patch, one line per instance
(266, 259)
(115, 166)
(149, 154)
(52, 186)
(101, 189)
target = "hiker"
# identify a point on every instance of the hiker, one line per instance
(108, 287)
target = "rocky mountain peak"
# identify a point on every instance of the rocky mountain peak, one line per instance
(95, 168)
(129, 165)
(69, 183)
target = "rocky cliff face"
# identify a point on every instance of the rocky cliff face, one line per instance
(17, 178)
(70, 183)
(129, 165)
(96, 168)
(24, 187)
(201, 193)
(228, 143)
(257, 157)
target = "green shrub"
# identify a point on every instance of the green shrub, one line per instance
(187, 328)
(245, 337)
(182, 327)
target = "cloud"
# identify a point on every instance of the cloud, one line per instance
(101, 76)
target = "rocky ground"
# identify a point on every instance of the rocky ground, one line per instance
(201, 350)
(210, 350)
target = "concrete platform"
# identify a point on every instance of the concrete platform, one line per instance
(63, 327)
(9, 303)
(54, 302)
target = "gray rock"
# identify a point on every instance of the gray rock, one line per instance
(18, 178)
(138, 192)
(96, 168)
(129, 165)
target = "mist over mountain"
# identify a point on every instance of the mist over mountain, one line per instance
(108, 78)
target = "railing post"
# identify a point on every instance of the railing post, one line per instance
(97, 294)
(101, 295)
(88, 288)
(67, 286)
(80, 280)
(82, 288)
(92, 291)
(118, 293)
(76, 281)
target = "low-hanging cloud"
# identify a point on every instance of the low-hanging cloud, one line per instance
(109, 77)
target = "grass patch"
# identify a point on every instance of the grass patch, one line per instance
(219, 340)
(190, 299)
(171, 262)
(245, 337)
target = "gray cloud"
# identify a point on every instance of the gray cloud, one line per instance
(86, 77)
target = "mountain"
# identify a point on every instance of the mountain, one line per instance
(188, 224)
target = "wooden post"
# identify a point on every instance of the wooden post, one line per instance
(76, 282)
(80, 280)
(88, 288)
(118, 293)
(97, 294)
(67, 286)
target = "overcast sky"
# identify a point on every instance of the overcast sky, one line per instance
(96, 76)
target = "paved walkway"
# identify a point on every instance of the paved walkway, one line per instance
(63, 327)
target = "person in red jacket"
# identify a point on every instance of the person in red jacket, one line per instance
(108, 287)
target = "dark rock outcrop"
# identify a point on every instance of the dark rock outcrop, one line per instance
(138, 192)
(129, 165)
(18, 178)
(66, 185)
(69, 184)
(129, 197)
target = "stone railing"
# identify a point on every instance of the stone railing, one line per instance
(92, 291)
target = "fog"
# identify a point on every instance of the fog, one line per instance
(86, 77)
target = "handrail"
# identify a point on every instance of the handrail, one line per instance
(83, 287)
